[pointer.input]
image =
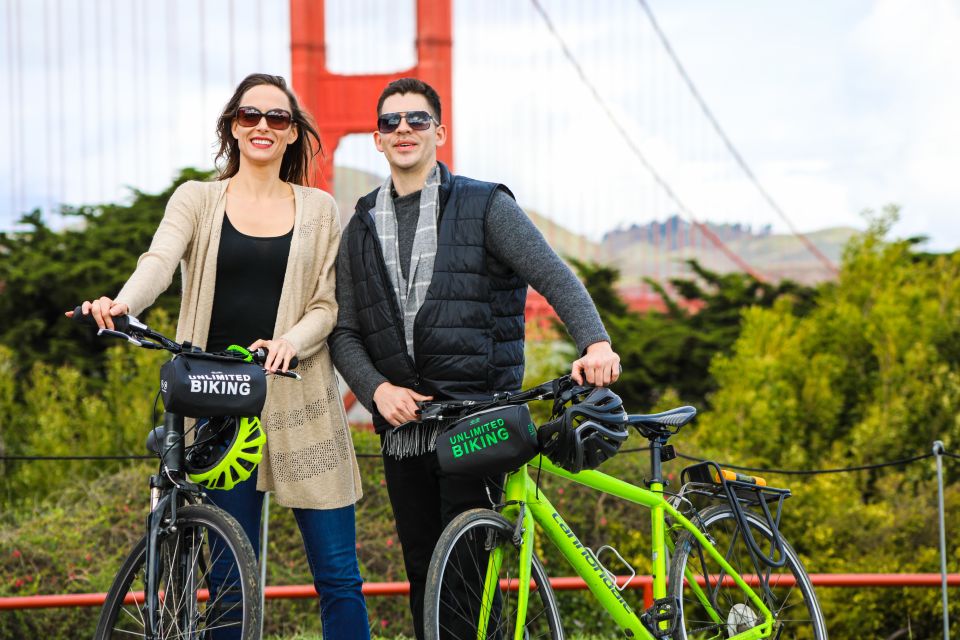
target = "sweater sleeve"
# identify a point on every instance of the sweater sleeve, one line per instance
(349, 354)
(309, 334)
(514, 240)
(170, 243)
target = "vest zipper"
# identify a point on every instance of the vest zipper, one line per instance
(381, 263)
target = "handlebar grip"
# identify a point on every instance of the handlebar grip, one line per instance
(260, 356)
(120, 323)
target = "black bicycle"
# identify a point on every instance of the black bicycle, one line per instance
(194, 574)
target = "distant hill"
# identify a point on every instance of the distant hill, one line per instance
(659, 249)
(566, 242)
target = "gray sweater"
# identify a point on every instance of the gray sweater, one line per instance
(511, 238)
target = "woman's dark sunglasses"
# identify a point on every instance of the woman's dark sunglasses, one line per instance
(418, 121)
(277, 119)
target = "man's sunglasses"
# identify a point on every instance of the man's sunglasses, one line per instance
(418, 121)
(278, 119)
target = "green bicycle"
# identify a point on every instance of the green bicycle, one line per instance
(720, 568)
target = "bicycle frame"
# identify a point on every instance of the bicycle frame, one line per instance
(524, 501)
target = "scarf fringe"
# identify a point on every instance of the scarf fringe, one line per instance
(406, 442)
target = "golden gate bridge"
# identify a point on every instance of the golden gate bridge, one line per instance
(584, 109)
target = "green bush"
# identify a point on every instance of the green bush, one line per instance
(867, 372)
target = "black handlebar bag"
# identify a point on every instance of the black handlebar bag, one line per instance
(489, 442)
(201, 385)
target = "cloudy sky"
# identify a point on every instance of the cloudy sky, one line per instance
(836, 107)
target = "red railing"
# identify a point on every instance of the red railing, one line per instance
(645, 583)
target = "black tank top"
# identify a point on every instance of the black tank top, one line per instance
(250, 274)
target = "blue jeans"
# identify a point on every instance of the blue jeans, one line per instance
(330, 539)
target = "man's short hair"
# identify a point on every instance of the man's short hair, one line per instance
(411, 85)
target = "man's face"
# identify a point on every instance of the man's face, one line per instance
(406, 149)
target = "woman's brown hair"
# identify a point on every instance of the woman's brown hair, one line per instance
(297, 159)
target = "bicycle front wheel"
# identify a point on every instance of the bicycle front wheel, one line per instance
(712, 606)
(457, 606)
(207, 583)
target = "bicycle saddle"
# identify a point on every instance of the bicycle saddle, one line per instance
(665, 421)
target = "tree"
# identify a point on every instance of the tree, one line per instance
(869, 375)
(673, 349)
(44, 272)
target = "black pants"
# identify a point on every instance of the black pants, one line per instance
(424, 501)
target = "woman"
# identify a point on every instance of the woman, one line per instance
(257, 251)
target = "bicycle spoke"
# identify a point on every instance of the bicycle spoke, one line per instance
(466, 614)
(141, 620)
(465, 595)
(786, 591)
(200, 554)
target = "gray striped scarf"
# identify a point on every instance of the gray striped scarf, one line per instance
(410, 294)
(409, 439)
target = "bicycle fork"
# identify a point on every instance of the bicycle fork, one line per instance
(161, 504)
(152, 568)
(522, 538)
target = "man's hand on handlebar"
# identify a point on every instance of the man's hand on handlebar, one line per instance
(599, 366)
(103, 310)
(398, 405)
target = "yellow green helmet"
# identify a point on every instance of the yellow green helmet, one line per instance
(225, 451)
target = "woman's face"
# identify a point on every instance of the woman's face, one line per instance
(261, 144)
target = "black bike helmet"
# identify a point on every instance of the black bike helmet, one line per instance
(587, 432)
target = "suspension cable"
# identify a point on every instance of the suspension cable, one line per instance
(738, 158)
(664, 185)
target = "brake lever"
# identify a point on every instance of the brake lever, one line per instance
(119, 334)
(285, 374)
(433, 412)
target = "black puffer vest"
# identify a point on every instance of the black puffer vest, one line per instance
(469, 333)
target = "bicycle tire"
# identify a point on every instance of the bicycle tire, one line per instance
(186, 557)
(446, 601)
(796, 610)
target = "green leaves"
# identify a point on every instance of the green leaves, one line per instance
(673, 349)
(46, 271)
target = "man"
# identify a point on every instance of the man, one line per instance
(432, 278)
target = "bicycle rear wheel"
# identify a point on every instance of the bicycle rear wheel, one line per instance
(453, 608)
(207, 580)
(786, 591)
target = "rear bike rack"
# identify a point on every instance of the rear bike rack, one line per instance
(740, 494)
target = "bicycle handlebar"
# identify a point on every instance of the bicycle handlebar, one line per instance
(560, 388)
(131, 329)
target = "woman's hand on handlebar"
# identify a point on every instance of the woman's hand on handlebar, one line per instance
(279, 354)
(103, 310)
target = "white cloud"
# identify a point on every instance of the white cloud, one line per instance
(910, 50)
(836, 106)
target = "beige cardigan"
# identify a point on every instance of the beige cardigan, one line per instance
(309, 460)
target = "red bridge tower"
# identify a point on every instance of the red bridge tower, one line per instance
(345, 104)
